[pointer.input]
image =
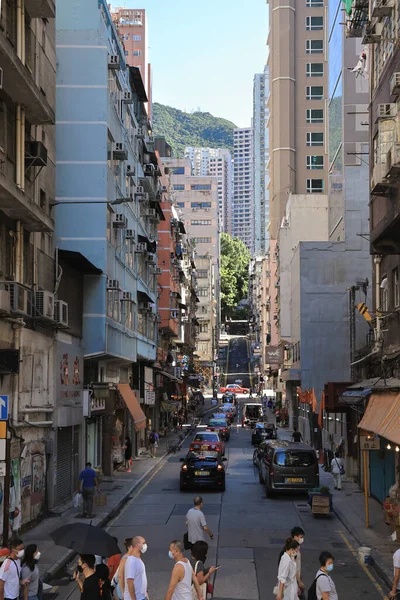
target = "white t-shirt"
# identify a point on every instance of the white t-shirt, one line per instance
(9, 573)
(326, 584)
(336, 464)
(135, 569)
(396, 563)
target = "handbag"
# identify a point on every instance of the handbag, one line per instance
(186, 544)
(210, 588)
(203, 587)
(275, 591)
(341, 468)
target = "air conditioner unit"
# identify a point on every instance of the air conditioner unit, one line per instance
(151, 212)
(173, 294)
(119, 151)
(141, 197)
(151, 257)
(35, 154)
(146, 158)
(141, 247)
(140, 189)
(130, 234)
(144, 307)
(149, 169)
(113, 284)
(158, 271)
(44, 304)
(127, 97)
(61, 312)
(387, 110)
(130, 171)
(395, 84)
(119, 220)
(5, 304)
(113, 61)
(126, 296)
(174, 314)
(158, 319)
(20, 298)
(372, 33)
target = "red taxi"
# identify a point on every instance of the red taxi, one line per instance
(207, 441)
(220, 426)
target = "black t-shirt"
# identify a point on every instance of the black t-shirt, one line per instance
(296, 436)
(91, 588)
(200, 566)
(128, 450)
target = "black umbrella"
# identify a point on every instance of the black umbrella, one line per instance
(85, 539)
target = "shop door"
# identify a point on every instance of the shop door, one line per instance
(75, 456)
(64, 464)
(91, 443)
(382, 473)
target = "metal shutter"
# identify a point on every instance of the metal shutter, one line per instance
(64, 464)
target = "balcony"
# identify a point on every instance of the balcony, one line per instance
(385, 229)
(41, 8)
(393, 163)
(357, 19)
(21, 87)
(382, 8)
(379, 183)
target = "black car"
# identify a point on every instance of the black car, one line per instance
(229, 397)
(263, 431)
(202, 469)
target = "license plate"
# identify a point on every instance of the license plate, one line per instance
(294, 480)
(202, 473)
(204, 448)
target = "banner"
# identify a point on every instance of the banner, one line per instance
(274, 355)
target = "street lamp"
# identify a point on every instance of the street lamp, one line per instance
(112, 202)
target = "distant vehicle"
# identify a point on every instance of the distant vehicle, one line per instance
(252, 414)
(207, 441)
(229, 408)
(263, 431)
(221, 427)
(201, 470)
(239, 381)
(229, 397)
(234, 387)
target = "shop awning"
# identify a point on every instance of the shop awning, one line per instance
(354, 397)
(133, 405)
(170, 376)
(382, 416)
(170, 406)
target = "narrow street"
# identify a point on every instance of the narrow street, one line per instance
(249, 529)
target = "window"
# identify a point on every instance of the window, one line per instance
(180, 204)
(315, 115)
(314, 92)
(315, 139)
(203, 292)
(179, 187)
(314, 3)
(201, 186)
(202, 240)
(295, 458)
(113, 305)
(315, 162)
(126, 52)
(315, 186)
(384, 294)
(200, 205)
(202, 274)
(314, 70)
(396, 287)
(314, 23)
(314, 46)
(204, 327)
(178, 170)
(136, 52)
(201, 222)
(136, 38)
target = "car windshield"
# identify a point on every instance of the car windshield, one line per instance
(295, 458)
(203, 437)
(218, 416)
(260, 426)
(253, 411)
(217, 423)
(202, 455)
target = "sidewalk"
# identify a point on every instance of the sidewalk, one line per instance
(118, 490)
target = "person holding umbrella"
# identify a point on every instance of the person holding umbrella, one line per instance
(88, 584)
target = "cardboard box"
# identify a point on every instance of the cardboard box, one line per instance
(320, 505)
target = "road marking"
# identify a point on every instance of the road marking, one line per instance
(364, 568)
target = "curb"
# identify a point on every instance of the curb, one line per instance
(384, 574)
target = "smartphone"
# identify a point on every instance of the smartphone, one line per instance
(218, 566)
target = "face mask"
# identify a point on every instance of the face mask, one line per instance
(38, 555)
(329, 568)
(21, 553)
(80, 568)
(143, 548)
(301, 540)
(294, 554)
(171, 556)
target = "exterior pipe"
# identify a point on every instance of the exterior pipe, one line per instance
(377, 261)
(23, 31)
(34, 409)
(19, 29)
(18, 146)
(22, 149)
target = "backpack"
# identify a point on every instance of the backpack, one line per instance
(312, 592)
(152, 438)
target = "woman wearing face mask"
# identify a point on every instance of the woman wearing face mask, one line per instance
(287, 581)
(30, 571)
(199, 556)
(326, 589)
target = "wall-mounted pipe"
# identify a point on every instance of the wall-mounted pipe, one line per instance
(22, 149)
(19, 29)
(34, 409)
(18, 146)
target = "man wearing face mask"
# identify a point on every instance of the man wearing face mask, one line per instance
(297, 534)
(326, 589)
(135, 587)
(10, 572)
(180, 586)
(89, 585)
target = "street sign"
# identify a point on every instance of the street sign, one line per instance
(2, 450)
(369, 442)
(2, 469)
(3, 408)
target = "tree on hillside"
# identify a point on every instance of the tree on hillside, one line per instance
(235, 259)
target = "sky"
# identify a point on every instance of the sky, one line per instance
(205, 53)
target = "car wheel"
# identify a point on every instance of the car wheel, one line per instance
(222, 488)
(260, 477)
(268, 491)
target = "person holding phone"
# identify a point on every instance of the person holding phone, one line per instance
(199, 556)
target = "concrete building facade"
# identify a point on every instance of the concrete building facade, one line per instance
(260, 161)
(242, 205)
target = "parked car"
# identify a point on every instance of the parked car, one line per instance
(263, 431)
(220, 426)
(252, 414)
(234, 387)
(258, 451)
(288, 466)
(201, 470)
(207, 441)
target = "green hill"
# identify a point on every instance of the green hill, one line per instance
(196, 129)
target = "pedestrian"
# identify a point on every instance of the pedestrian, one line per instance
(203, 574)
(287, 580)
(269, 403)
(196, 522)
(118, 581)
(325, 586)
(278, 416)
(128, 453)
(11, 570)
(296, 436)
(337, 470)
(298, 535)
(153, 440)
(113, 562)
(103, 575)
(251, 392)
(86, 579)
(30, 572)
(135, 580)
(175, 422)
(395, 591)
(88, 479)
(180, 586)
(181, 421)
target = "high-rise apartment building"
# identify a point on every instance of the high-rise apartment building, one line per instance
(131, 25)
(215, 162)
(298, 89)
(242, 206)
(260, 161)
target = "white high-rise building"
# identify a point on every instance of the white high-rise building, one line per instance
(260, 162)
(242, 208)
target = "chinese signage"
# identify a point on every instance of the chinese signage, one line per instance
(149, 397)
(70, 373)
(274, 355)
(369, 442)
(97, 404)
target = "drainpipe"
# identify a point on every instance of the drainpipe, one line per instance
(22, 149)
(23, 31)
(377, 262)
(18, 147)
(19, 29)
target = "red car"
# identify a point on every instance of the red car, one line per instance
(221, 427)
(207, 441)
(235, 388)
